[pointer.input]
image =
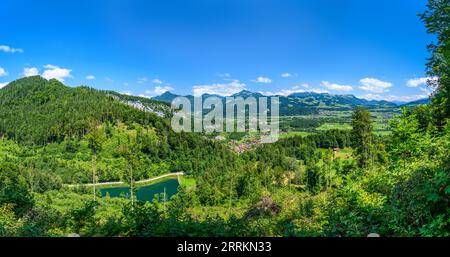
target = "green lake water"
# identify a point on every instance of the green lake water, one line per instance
(145, 193)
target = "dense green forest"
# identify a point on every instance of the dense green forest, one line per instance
(329, 183)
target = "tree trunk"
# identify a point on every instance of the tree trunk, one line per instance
(94, 157)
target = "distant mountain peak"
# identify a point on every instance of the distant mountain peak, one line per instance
(247, 93)
(166, 97)
(167, 93)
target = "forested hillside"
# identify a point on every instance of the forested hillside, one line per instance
(48, 126)
(36, 111)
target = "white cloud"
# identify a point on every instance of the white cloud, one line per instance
(393, 98)
(318, 91)
(160, 90)
(286, 75)
(28, 72)
(223, 89)
(157, 81)
(50, 66)
(406, 98)
(3, 72)
(8, 49)
(224, 75)
(296, 89)
(374, 85)
(426, 90)
(142, 80)
(108, 79)
(372, 97)
(55, 72)
(336, 87)
(420, 81)
(2, 85)
(262, 80)
(50, 72)
(90, 77)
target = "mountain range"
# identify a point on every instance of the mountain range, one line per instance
(42, 96)
(309, 102)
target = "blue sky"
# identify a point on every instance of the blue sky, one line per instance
(372, 49)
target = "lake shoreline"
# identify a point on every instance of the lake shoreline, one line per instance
(141, 183)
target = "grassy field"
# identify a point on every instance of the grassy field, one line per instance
(333, 119)
(188, 182)
(345, 153)
(329, 126)
(293, 134)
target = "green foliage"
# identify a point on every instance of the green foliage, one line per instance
(289, 188)
(95, 139)
(35, 111)
(13, 189)
(9, 224)
(314, 179)
(353, 211)
(437, 20)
